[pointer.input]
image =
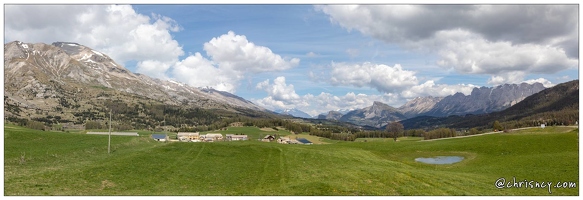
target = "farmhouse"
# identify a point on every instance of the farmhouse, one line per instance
(233, 137)
(188, 136)
(268, 138)
(283, 140)
(160, 137)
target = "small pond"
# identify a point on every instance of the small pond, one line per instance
(440, 160)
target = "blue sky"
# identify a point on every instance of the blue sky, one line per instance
(321, 58)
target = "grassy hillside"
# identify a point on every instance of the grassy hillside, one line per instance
(51, 163)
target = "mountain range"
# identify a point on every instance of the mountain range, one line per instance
(481, 100)
(64, 79)
(552, 106)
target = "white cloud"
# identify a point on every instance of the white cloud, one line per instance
(470, 53)
(545, 82)
(322, 103)
(429, 88)
(198, 71)
(474, 39)
(281, 95)
(311, 54)
(235, 52)
(124, 35)
(384, 78)
(232, 59)
(510, 77)
(517, 78)
(279, 91)
(153, 68)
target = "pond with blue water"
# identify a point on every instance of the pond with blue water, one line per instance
(440, 160)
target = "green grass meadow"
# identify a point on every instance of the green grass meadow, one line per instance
(56, 163)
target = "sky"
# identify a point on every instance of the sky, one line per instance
(318, 58)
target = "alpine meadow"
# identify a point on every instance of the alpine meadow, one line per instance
(291, 100)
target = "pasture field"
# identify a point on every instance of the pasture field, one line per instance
(56, 163)
(408, 139)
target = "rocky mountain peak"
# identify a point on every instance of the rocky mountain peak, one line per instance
(419, 105)
(376, 115)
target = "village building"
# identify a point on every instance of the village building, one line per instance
(287, 140)
(233, 137)
(210, 137)
(188, 136)
(268, 138)
(160, 137)
(283, 140)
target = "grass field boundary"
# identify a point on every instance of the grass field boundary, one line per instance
(488, 133)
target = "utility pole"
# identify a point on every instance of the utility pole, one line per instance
(109, 140)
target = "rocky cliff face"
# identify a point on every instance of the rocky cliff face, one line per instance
(65, 76)
(484, 99)
(419, 105)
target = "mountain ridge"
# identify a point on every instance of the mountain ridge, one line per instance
(481, 100)
(67, 78)
(554, 106)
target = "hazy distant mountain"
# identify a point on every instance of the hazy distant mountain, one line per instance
(67, 79)
(332, 115)
(377, 115)
(294, 112)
